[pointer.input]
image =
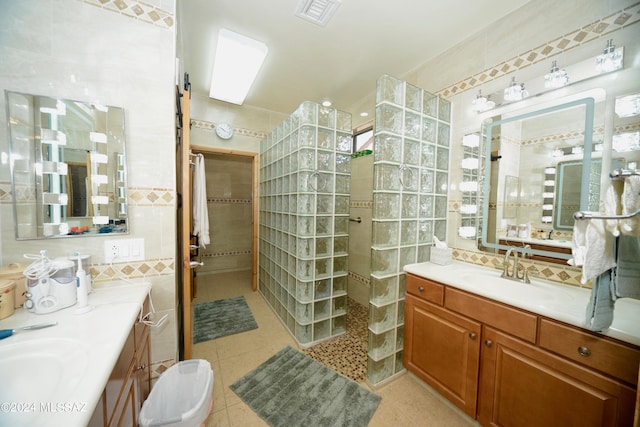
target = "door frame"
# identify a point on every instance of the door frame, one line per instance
(187, 327)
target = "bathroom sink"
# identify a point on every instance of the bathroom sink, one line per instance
(38, 375)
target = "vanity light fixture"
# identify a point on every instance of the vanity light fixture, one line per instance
(467, 231)
(546, 219)
(556, 77)
(550, 171)
(471, 140)
(610, 59)
(558, 152)
(628, 141)
(468, 209)
(577, 150)
(469, 186)
(470, 163)
(236, 65)
(628, 106)
(515, 91)
(482, 103)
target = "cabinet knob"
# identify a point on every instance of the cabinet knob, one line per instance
(488, 343)
(421, 288)
(472, 335)
(584, 351)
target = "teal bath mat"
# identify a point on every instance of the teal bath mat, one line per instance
(291, 389)
(215, 319)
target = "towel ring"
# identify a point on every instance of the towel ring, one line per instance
(321, 183)
(403, 168)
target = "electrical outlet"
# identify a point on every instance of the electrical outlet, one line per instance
(111, 250)
(123, 250)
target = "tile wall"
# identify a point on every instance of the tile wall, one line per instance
(125, 57)
(361, 206)
(229, 200)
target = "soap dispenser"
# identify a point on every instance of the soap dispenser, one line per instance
(82, 290)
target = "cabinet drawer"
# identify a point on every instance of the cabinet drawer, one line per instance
(508, 319)
(613, 358)
(425, 289)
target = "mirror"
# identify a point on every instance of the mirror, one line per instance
(519, 149)
(68, 172)
(568, 187)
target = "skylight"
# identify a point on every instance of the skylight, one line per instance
(237, 62)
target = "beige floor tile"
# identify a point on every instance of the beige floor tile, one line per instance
(241, 415)
(218, 418)
(406, 401)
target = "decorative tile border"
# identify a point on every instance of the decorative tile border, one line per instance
(210, 126)
(138, 10)
(158, 368)
(358, 278)
(140, 196)
(223, 201)
(586, 34)
(362, 204)
(227, 253)
(554, 272)
(133, 270)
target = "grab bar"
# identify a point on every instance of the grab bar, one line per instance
(623, 173)
(358, 220)
(588, 215)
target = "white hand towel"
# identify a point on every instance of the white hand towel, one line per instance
(630, 204)
(199, 199)
(613, 206)
(592, 248)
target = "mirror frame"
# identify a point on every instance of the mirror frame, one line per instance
(589, 104)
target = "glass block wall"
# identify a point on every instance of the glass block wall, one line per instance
(304, 221)
(410, 190)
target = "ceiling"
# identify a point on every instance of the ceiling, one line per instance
(341, 61)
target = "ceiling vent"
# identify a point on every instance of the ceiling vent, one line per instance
(317, 11)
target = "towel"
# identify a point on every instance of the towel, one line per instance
(200, 210)
(599, 313)
(625, 280)
(613, 205)
(592, 248)
(630, 204)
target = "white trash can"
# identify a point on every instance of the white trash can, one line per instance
(181, 397)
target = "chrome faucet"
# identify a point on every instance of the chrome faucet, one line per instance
(525, 273)
(505, 263)
(515, 273)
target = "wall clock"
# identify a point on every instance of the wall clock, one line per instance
(224, 130)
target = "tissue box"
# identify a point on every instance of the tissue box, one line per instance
(441, 256)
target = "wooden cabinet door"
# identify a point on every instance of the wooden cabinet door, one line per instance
(143, 372)
(524, 386)
(443, 348)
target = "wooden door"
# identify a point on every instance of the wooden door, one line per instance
(184, 214)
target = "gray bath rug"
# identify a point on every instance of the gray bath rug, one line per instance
(291, 389)
(215, 319)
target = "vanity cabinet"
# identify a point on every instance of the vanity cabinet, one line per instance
(441, 347)
(130, 381)
(508, 367)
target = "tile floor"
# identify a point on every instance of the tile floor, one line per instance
(406, 401)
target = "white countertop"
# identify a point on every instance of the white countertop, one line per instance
(565, 303)
(95, 338)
